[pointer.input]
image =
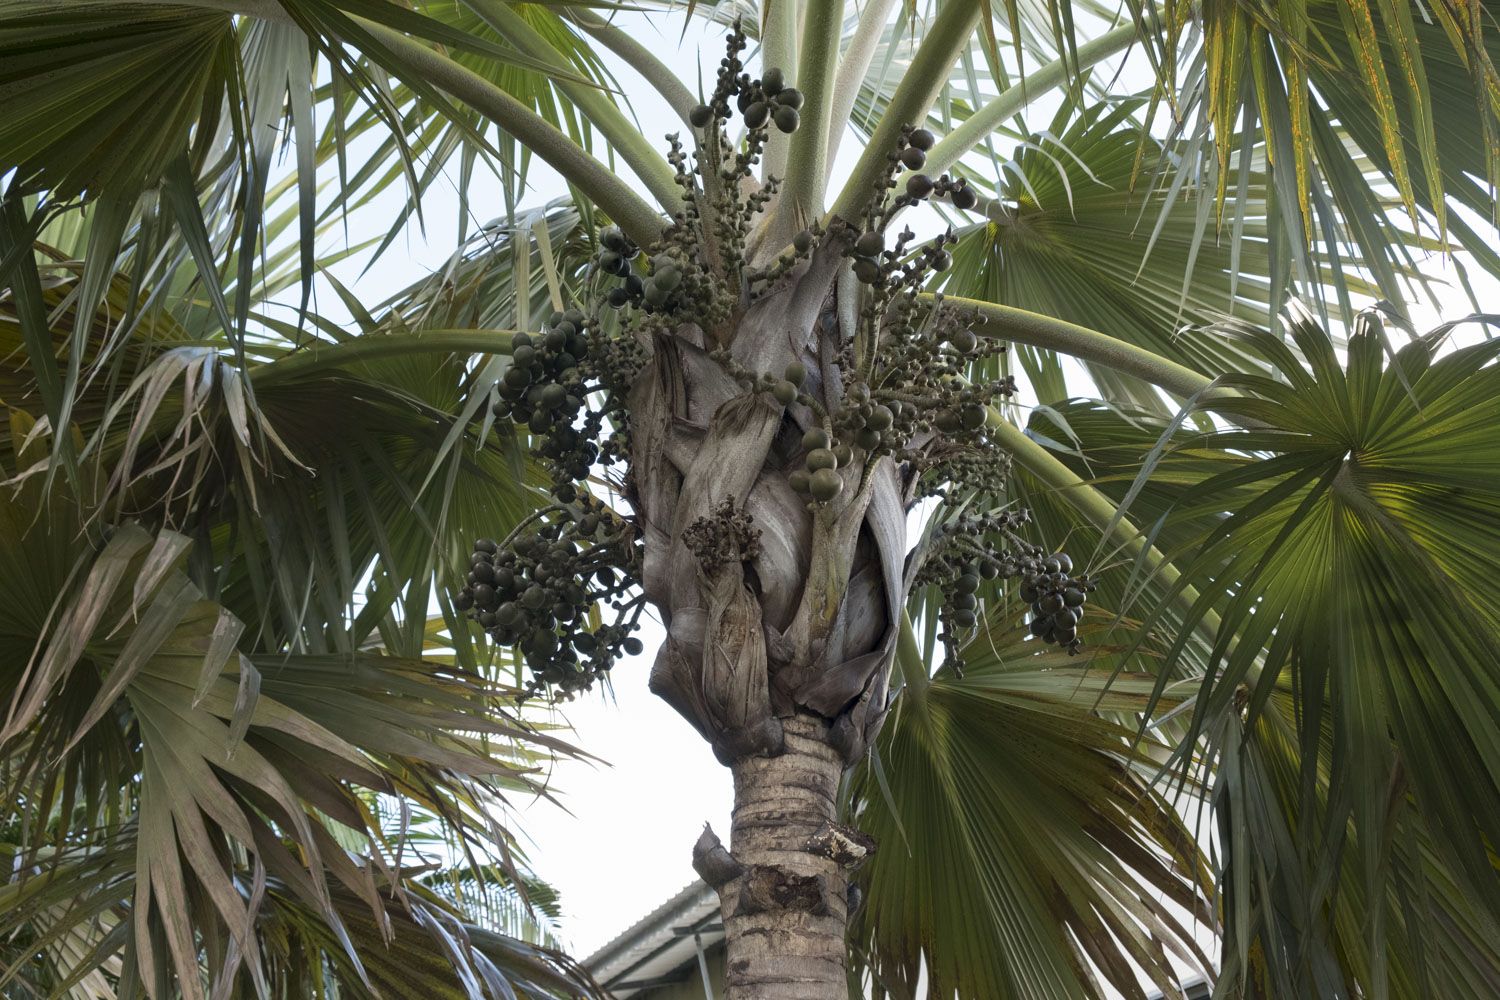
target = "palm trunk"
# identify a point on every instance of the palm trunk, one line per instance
(781, 619)
(785, 917)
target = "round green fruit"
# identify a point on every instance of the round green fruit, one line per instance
(825, 484)
(821, 458)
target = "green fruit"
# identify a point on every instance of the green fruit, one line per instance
(880, 418)
(866, 270)
(964, 602)
(867, 439)
(964, 619)
(791, 97)
(966, 584)
(803, 241)
(796, 373)
(800, 480)
(785, 392)
(655, 294)
(964, 341)
(844, 454)
(947, 421)
(921, 138)
(825, 484)
(701, 116)
(973, 416)
(817, 437)
(869, 244)
(669, 278)
(821, 458)
(787, 119)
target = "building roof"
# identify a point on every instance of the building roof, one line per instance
(664, 944)
(656, 948)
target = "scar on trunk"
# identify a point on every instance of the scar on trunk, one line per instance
(770, 887)
(842, 845)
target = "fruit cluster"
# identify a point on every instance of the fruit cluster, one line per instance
(968, 550)
(1056, 598)
(756, 100)
(819, 478)
(535, 590)
(545, 389)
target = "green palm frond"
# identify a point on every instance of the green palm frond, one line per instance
(1071, 236)
(1352, 557)
(1023, 851)
(1352, 101)
(223, 646)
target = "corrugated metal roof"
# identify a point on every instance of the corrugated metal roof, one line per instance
(660, 944)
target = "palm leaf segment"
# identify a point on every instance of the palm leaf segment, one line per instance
(1357, 575)
(197, 723)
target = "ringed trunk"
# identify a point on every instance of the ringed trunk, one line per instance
(786, 916)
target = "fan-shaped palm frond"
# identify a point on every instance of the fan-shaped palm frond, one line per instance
(210, 672)
(1362, 572)
(971, 767)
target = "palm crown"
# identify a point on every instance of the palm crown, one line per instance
(234, 534)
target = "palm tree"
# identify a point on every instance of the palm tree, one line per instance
(1252, 701)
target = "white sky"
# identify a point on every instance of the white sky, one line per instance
(622, 845)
